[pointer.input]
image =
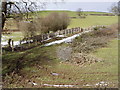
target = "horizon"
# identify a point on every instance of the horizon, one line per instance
(75, 11)
(73, 6)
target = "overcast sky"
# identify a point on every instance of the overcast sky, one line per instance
(86, 6)
(73, 5)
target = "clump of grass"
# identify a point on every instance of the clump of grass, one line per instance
(96, 28)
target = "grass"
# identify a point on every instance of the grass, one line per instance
(101, 71)
(37, 54)
(110, 54)
(11, 24)
(93, 20)
(84, 23)
(70, 13)
(16, 36)
(69, 74)
(38, 63)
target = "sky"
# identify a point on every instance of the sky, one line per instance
(73, 5)
(75, 0)
(86, 6)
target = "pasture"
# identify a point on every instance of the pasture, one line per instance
(78, 22)
(39, 63)
(83, 76)
(70, 13)
(93, 20)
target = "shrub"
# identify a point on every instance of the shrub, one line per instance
(64, 20)
(96, 28)
(38, 26)
(55, 21)
(28, 28)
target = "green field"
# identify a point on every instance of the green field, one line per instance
(15, 36)
(38, 63)
(93, 20)
(84, 23)
(40, 69)
(88, 21)
(70, 13)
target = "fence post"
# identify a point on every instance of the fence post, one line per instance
(79, 29)
(60, 32)
(41, 37)
(65, 33)
(26, 40)
(12, 45)
(71, 30)
(57, 33)
(9, 42)
(29, 41)
(68, 31)
(47, 35)
(36, 41)
(20, 41)
(74, 30)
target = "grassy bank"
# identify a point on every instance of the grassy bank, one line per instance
(39, 63)
(21, 69)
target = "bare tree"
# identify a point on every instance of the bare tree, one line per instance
(55, 21)
(115, 9)
(4, 11)
(79, 12)
(21, 9)
(28, 28)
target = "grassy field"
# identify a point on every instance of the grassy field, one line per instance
(90, 20)
(84, 23)
(93, 20)
(39, 63)
(70, 13)
(14, 35)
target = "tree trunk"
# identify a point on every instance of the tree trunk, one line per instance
(4, 12)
